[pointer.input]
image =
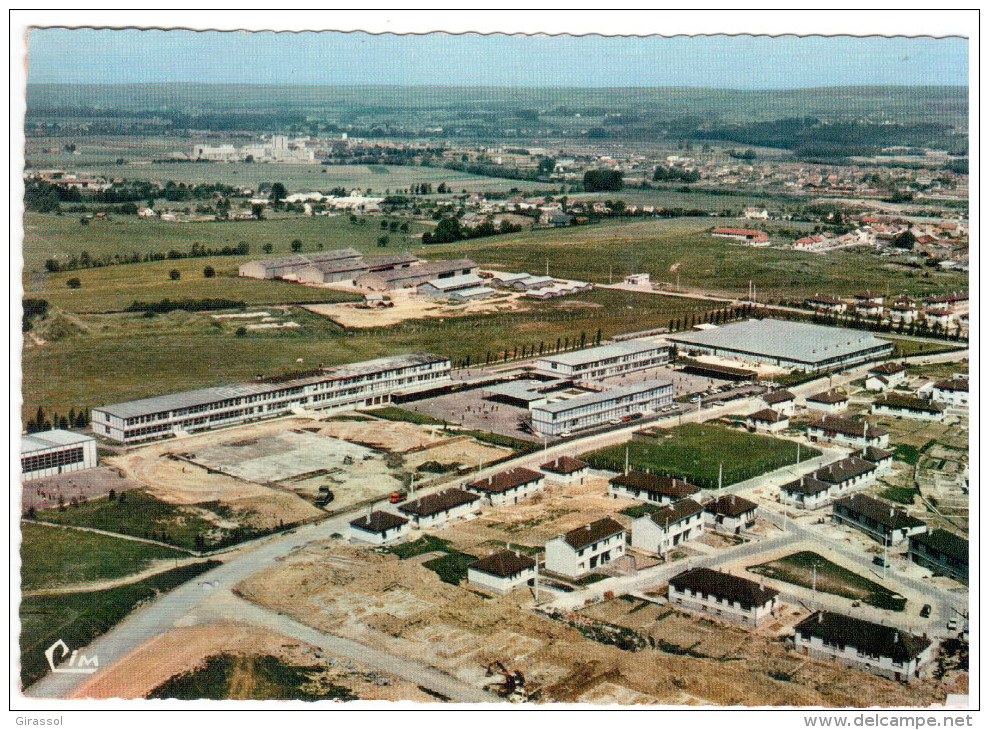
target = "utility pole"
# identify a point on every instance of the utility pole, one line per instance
(720, 470)
(885, 555)
(798, 452)
(544, 444)
(814, 584)
(610, 270)
(626, 460)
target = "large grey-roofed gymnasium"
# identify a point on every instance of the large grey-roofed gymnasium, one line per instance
(788, 344)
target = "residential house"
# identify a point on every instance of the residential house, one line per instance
(848, 432)
(510, 487)
(857, 644)
(435, 510)
(951, 392)
(907, 406)
(565, 470)
(903, 311)
(885, 376)
(828, 483)
(669, 526)
(379, 528)
(502, 572)
(942, 552)
(745, 235)
(580, 551)
(767, 421)
(829, 402)
(879, 520)
(650, 488)
(730, 513)
(782, 401)
(869, 304)
(723, 595)
(826, 303)
(882, 459)
(806, 493)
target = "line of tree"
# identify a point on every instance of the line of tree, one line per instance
(44, 422)
(187, 305)
(602, 180)
(197, 250)
(449, 230)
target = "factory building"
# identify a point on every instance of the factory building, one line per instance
(561, 417)
(285, 266)
(605, 361)
(461, 288)
(414, 275)
(358, 384)
(49, 453)
(791, 345)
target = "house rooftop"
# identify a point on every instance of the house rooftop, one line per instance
(806, 485)
(952, 384)
(672, 487)
(438, 502)
(767, 415)
(505, 480)
(887, 368)
(592, 533)
(777, 396)
(724, 585)
(675, 512)
(828, 397)
(908, 403)
(871, 639)
(890, 517)
(730, 505)
(378, 521)
(504, 564)
(849, 427)
(564, 465)
(946, 543)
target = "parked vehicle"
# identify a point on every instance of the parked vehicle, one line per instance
(396, 497)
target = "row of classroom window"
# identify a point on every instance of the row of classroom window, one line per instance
(51, 460)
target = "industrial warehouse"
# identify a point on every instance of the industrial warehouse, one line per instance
(365, 384)
(790, 345)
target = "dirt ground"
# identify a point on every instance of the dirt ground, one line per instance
(408, 306)
(88, 484)
(534, 521)
(401, 607)
(184, 649)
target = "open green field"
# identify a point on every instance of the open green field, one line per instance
(62, 236)
(78, 618)
(694, 452)
(143, 515)
(250, 677)
(100, 359)
(704, 263)
(798, 569)
(57, 556)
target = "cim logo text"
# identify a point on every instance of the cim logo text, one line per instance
(77, 663)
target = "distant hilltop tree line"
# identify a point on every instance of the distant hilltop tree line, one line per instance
(47, 197)
(197, 250)
(43, 422)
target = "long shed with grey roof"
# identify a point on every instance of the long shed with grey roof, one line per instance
(794, 345)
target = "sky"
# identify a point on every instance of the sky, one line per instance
(84, 56)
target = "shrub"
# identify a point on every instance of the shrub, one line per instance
(174, 275)
(73, 283)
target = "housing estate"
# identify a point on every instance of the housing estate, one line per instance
(510, 487)
(565, 470)
(906, 406)
(652, 488)
(730, 513)
(848, 432)
(942, 552)
(379, 528)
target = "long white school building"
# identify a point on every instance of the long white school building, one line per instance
(606, 361)
(49, 453)
(359, 384)
(595, 409)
